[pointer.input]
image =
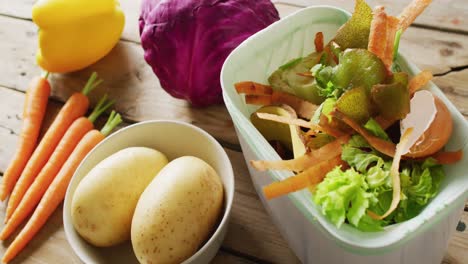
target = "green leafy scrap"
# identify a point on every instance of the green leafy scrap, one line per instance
(374, 127)
(392, 100)
(355, 33)
(358, 67)
(355, 104)
(287, 78)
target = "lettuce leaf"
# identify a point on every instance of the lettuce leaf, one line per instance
(360, 155)
(345, 196)
(420, 182)
(328, 107)
(374, 127)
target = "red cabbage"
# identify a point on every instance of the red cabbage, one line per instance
(187, 41)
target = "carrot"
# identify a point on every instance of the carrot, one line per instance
(311, 176)
(57, 189)
(75, 107)
(35, 106)
(69, 141)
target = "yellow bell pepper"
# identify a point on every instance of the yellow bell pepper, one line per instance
(74, 34)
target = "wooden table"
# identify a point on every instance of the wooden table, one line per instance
(438, 41)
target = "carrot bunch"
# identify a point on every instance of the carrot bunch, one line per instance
(75, 107)
(42, 177)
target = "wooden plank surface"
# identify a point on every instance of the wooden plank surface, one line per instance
(457, 252)
(439, 42)
(448, 15)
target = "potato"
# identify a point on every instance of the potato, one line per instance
(105, 199)
(177, 212)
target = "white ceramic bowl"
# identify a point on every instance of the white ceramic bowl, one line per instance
(310, 234)
(175, 139)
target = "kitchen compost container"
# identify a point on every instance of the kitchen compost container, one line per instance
(313, 238)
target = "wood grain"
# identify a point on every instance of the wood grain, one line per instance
(49, 246)
(454, 85)
(457, 252)
(444, 14)
(224, 256)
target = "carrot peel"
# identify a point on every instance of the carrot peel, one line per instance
(311, 176)
(383, 146)
(318, 41)
(308, 160)
(253, 88)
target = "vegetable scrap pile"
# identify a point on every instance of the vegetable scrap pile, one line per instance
(357, 131)
(38, 176)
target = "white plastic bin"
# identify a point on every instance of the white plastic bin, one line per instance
(313, 238)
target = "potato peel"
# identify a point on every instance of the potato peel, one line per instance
(400, 148)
